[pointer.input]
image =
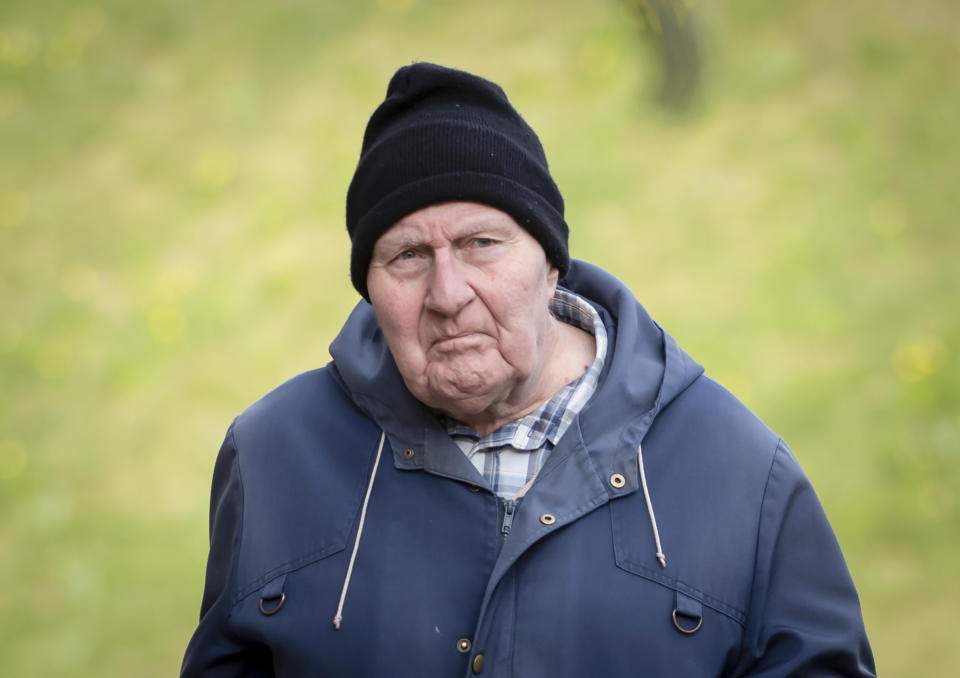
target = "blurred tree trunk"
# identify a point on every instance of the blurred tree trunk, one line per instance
(670, 30)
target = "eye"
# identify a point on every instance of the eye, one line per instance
(484, 242)
(406, 254)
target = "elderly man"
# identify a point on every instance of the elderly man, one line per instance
(508, 468)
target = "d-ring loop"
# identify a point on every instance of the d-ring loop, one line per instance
(677, 624)
(283, 599)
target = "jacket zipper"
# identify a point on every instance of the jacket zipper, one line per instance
(509, 509)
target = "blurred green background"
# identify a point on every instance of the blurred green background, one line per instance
(172, 246)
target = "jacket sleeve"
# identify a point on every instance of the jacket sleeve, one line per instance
(215, 651)
(804, 616)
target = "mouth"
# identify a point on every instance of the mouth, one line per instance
(452, 337)
(451, 340)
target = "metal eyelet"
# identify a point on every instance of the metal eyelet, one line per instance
(683, 630)
(268, 613)
(617, 480)
(408, 454)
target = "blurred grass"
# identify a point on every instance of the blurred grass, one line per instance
(171, 198)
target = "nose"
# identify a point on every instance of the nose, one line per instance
(448, 290)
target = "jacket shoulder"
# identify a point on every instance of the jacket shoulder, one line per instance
(719, 416)
(302, 452)
(311, 403)
(298, 394)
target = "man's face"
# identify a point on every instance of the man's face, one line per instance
(461, 293)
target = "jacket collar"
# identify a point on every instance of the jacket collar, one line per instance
(644, 371)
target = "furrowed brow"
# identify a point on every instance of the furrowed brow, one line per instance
(484, 228)
(388, 245)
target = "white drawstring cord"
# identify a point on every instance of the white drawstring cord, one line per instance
(646, 495)
(356, 542)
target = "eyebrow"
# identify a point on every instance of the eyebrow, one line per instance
(398, 242)
(403, 242)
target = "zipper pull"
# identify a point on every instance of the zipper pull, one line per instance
(509, 508)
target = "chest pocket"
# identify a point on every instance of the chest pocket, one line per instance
(703, 577)
(302, 503)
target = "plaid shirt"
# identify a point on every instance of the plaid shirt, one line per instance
(510, 457)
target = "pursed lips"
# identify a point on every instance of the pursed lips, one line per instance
(448, 339)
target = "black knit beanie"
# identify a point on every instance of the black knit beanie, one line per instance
(443, 135)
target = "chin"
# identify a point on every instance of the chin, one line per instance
(456, 403)
(462, 393)
(460, 404)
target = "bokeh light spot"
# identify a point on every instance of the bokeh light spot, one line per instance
(13, 459)
(918, 360)
(18, 46)
(166, 322)
(215, 168)
(174, 282)
(80, 283)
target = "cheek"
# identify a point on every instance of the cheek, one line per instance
(523, 319)
(530, 296)
(399, 317)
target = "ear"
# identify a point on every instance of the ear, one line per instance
(553, 276)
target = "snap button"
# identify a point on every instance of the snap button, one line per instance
(478, 663)
(408, 454)
(548, 519)
(618, 480)
(464, 645)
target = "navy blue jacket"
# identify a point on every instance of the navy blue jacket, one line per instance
(753, 582)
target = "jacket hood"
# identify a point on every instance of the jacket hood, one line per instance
(644, 370)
